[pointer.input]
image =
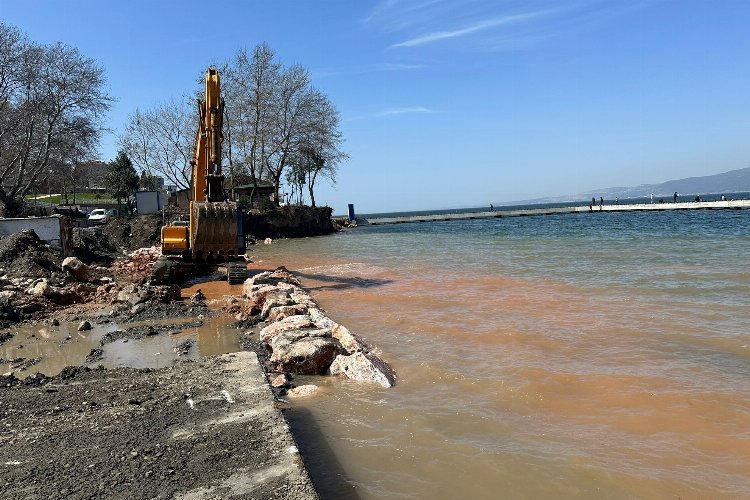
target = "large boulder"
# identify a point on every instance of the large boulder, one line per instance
(279, 275)
(350, 341)
(364, 368)
(275, 300)
(307, 356)
(282, 312)
(74, 267)
(133, 295)
(287, 324)
(284, 340)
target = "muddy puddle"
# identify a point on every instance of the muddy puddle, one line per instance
(48, 349)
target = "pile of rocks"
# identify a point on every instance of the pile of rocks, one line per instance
(138, 263)
(302, 338)
(73, 282)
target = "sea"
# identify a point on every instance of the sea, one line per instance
(592, 355)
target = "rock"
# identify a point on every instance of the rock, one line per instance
(132, 295)
(198, 297)
(74, 267)
(55, 322)
(285, 325)
(258, 293)
(319, 318)
(279, 299)
(284, 339)
(281, 312)
(307, 356)
(349, 341)
(303, 391)
(138, 308)
(41, 289)
(280, 380)
(279, 275)
(84, 325)
(183, 347)
(364, 368)
(165, 293)
(9, 294)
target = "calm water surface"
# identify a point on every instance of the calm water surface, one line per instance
(572, 356)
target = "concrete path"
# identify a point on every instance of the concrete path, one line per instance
(201, 429)
(641, 207)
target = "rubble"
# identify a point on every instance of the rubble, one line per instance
(137, 265)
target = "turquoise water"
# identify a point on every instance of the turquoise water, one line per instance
(566, 356)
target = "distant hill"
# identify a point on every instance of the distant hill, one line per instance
(734, 181)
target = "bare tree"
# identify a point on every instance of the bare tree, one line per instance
(321, 146)
(51, 104)
(161, 141)
(250, 84)
(293, 101)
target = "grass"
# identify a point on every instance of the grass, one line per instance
(81, 199)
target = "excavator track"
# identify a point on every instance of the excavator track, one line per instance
(162, 271)
(236, 272)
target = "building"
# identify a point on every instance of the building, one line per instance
(261, 195)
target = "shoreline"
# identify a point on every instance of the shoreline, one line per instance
(127, 303)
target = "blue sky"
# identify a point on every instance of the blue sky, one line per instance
(455, 103)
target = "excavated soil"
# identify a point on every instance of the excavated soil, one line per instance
(24, 255)
(128, 234)
(93, 246)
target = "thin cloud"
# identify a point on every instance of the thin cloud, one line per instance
(471, 29)
(403, 111)
(395, 112)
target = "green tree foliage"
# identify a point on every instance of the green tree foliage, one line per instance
(121, 179)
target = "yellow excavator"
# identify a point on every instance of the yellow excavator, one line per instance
(210, 237)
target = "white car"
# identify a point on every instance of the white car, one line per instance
(98, 216)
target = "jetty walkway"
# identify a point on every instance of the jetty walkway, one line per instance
(640, 207)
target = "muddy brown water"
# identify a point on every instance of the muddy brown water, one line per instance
(517, 382)
(59, 346)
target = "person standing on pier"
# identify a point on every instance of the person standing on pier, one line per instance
(674, 196)
(601, 201)
(652, 197)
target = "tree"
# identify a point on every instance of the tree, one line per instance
(162, 140)
(121, 178)
(321, 147)
(249, 86)
(52, 100)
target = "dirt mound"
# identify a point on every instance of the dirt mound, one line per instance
(136, 232)
(23, 254)
(91, 245)
(289, 222)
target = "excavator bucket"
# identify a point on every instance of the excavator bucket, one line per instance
(213, 231)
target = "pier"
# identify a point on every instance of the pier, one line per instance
(530, 212)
